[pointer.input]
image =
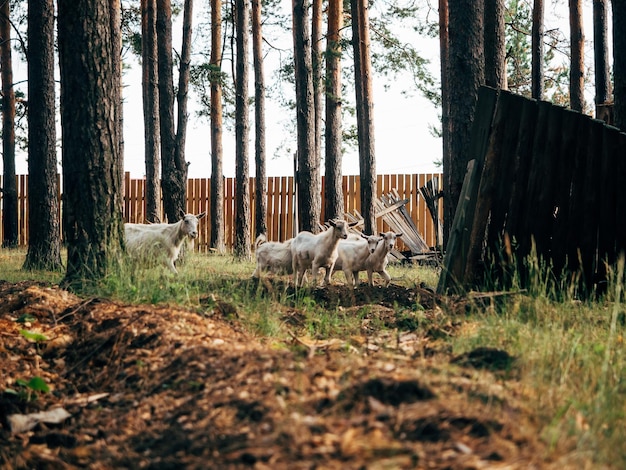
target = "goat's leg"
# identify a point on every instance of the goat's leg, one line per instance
(301, 274)
(315, 269)
(329, 272)
(387, 277)
(170, 265)
(257, 272)
(349, 277)
(295, 266)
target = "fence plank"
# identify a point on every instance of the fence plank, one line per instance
(280, 204)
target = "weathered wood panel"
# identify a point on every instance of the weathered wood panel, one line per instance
(548, 192)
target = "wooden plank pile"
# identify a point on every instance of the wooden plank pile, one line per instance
(431, 194)
(391, 207)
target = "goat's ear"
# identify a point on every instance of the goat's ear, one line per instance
(363, 235)
(199, 216)
(182, 214)
(332, 222)
(398, 234)
(352, 224)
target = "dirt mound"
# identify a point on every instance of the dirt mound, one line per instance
(163, 387)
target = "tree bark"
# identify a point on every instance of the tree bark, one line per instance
(115, 8)
(91, 184)
(365, 112)
(444, 54)
(259, 122)
(619, 63)
(173, 173)
(150, 94)
(9, 189)
(495, 44)
(308, 178)
(465, 75)
(577, 66)
(217, 173)
(44, 225)
(316, 64)
(601, 52)
(334, 206)
(242, 134)
(182, 96)
(537, 51)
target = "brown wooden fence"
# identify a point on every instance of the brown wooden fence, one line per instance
(280, 204)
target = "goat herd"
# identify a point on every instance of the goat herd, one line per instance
(334, 249)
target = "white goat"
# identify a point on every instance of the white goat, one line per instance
(148, 243)
(317, 251)
(274, 257)
(352, 255)
(377, 261)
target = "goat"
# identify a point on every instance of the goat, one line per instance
(352, 255)
(160, 242)
(377, 261)
(274, 257)
(317, 251)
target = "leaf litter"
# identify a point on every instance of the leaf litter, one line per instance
(149, 386)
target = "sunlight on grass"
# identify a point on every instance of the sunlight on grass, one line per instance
(572, 360)
(11, 261)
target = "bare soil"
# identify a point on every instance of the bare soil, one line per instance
(163, 387)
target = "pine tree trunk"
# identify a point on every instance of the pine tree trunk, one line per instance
(115, 9)
(308, 178)
(577, 67)
(242, 134)
(91, 184)
(9, 189)
(173, 174)
(150, 94)
(316, 64)
(183, 93)
(260, 189)
(619, 63)
(334, 206)
(217, 173)
(44, 226)
(495, 45)
(444, 53)
(537, 51)
(465, 75)
(601, 51)
(365, 112)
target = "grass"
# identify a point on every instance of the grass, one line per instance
(570, 354)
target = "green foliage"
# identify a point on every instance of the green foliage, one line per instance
(518, 27)
(36, 384)
(25, 318)
(201, 76)
(26, 389)
(33, 336)
(394, 57)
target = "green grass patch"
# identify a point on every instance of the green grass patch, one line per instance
(570, 355)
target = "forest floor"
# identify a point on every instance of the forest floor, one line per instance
(164, 387)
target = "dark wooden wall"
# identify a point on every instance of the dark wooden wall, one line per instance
(544, 183)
